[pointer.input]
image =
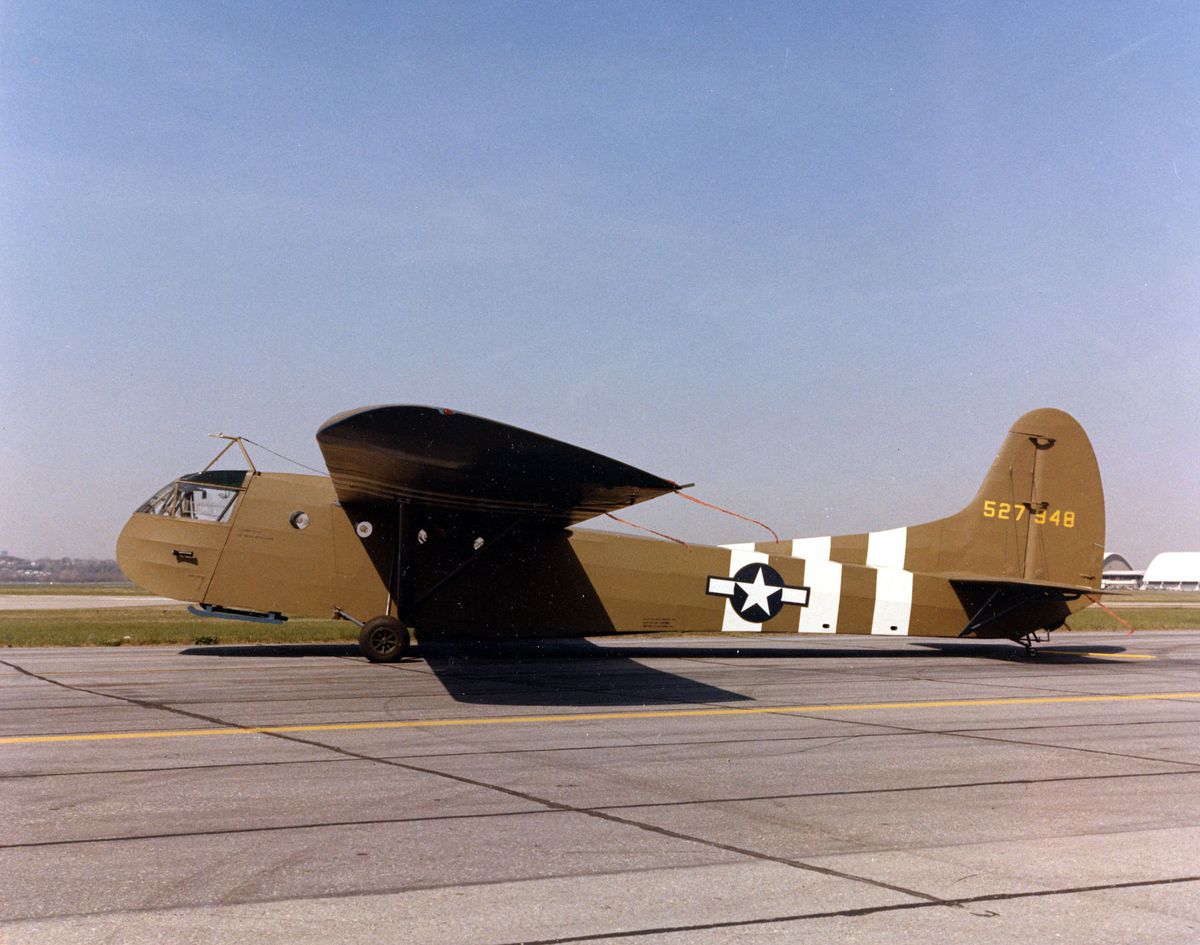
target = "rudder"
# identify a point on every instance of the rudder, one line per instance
(1038, 515)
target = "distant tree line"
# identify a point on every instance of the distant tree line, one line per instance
(15, 570)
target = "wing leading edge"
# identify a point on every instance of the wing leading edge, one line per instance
(445, 459)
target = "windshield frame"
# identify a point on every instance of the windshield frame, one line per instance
(178, 499)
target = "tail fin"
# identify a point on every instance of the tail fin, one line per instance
(1038, 517)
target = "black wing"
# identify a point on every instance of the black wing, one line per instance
(445, 459)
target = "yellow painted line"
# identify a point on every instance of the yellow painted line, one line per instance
(1107, 656)
(591, 717)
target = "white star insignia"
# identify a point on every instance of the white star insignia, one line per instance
(758, 593)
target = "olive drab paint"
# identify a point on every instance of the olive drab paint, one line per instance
(461, 528)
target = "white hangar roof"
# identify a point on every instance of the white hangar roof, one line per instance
(1116, 562)
(1173, 567)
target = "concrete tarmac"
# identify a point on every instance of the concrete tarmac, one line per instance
(79, 601)
(645, 790)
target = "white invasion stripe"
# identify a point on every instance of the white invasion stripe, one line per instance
(824, 581)
(886, 549)
(738, 559)
(739, 546)
(812, 549)
(893, 602)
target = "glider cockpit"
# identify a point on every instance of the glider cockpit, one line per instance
(202, 497)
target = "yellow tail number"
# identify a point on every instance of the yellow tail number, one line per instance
(1009, 511)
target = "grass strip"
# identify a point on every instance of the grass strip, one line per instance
(1142, 618)
(172, 624)
(132, 626)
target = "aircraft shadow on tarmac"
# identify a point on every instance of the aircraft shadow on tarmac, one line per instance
(292, 650)
(1003, 650)
(566, 673)
(581, 673)
(573, 673)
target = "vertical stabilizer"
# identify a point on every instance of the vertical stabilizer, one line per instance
(1038, 516)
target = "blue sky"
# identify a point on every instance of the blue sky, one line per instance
(815, 257)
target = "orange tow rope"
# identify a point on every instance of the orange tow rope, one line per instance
(745, 518)
(1108, 611)
(678, 541)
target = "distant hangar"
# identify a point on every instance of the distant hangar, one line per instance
(1173, 571)
(1169, 571)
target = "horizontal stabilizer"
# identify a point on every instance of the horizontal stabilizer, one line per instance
(445, 459)
(981, 579)
(996, 605)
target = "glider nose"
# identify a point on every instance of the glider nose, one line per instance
(171, 544)
(154, 554)
(134, 554)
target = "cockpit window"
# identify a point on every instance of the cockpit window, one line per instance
(202, 497)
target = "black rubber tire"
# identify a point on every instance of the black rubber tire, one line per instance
(383, 639)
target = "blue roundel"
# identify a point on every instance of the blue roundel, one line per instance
(757, 592)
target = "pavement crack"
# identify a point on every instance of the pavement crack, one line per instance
(276, 828)
(972, 734)
(964, 902)
(1091, 751)
(600, 814)
(129, 700)
(511, 792)
(598, 810)
(912, 789)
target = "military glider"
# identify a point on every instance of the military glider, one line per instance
(461, 527)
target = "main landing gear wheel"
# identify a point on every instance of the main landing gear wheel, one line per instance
(383, 639)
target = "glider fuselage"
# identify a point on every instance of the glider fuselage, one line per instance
(475, 539)
(535, 582)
